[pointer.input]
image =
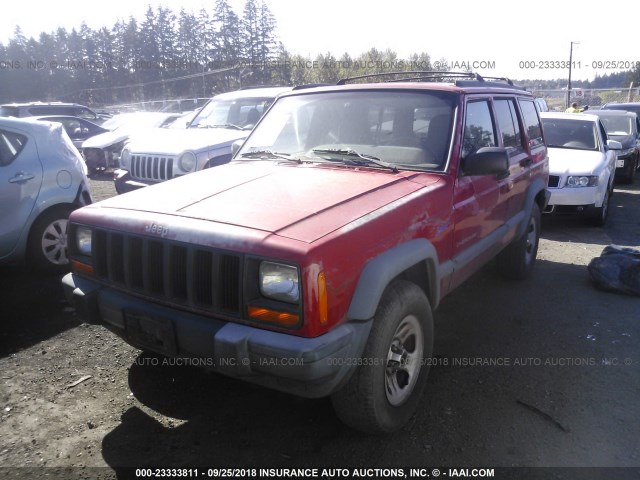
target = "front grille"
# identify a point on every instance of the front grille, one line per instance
(181, 274)
(554, 181)
(151, 167)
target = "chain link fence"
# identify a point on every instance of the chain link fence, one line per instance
(594, 97)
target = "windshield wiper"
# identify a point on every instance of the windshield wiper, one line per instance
(224, 125)
(270, 154)
(362, 159)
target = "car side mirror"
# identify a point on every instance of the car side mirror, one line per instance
(486, 161)
(235, 146)
(614, 145)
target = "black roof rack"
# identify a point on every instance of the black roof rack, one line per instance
(417, 74)
(461, 79)
(311, 85)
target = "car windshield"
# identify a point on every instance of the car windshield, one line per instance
(241, 113)
(570, 133)
(618, 125)
(409, 130)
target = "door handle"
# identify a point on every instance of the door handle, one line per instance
(21, 177)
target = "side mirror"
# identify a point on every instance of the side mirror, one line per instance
(614, 145)
(486, 161)
(235, 146)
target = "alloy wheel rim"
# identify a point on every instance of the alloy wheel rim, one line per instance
(54, 242)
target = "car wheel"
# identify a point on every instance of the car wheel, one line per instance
(384, 391)
(602, 213)
(516, 261)
(47, 247)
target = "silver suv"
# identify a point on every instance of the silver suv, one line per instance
(161, 155)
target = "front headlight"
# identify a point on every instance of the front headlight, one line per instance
(125, 159)
(83, 240)
(187, 162)
(582, 181)
(279, 282)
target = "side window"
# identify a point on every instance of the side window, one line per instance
(11, 144)
(531, 122)
(508, 124)
(84, 113)
(478, 128)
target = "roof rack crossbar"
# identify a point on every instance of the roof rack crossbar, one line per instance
(421, 73)
(504, 79)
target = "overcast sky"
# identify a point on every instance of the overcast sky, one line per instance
(494, 37)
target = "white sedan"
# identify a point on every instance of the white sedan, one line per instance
(582, 165)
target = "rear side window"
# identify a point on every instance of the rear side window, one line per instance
(48, 110)
(531, 122)
(478, 128)
(11, 144)
(508, 124)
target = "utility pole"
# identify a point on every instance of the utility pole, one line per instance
(568, 102)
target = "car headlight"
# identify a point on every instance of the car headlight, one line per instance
(279, 282)
(582, 181)
(83, 240)
(125, 159)
(187, 162)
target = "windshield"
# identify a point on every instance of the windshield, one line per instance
(404, 129)
(241, 113)
(618, 125)
(565, 133)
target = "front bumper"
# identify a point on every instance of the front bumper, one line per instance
(308, 367)
(625, 170)
(574, 201)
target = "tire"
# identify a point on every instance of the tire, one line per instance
(385, 390)
(516, 261)
(602, 213)
(47, 248)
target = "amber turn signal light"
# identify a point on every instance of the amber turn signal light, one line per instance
(80, 267)
(273, 316)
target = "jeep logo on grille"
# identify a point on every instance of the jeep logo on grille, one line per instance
(156, 229)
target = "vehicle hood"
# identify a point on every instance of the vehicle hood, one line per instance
(169, 141)
(566, 161)
(302, 202)
(107, 139)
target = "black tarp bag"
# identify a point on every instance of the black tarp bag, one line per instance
(617, 269)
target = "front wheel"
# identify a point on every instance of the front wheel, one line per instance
(516, 261)
(384, 391)
(47, 247)
(602, 213)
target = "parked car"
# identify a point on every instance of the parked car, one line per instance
(624, 127)
(206, 142)
(627, 107)
(77, 128)
(103, 151)
(311, 263)
(541, 103)
(39, 109)
(42, 180)
(582, 163)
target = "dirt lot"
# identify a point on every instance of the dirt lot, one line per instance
(564, 393)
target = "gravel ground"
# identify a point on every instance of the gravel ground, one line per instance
(565, 395)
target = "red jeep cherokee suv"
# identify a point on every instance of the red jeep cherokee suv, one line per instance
(312, 262)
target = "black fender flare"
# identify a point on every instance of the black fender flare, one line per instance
(381, 270)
